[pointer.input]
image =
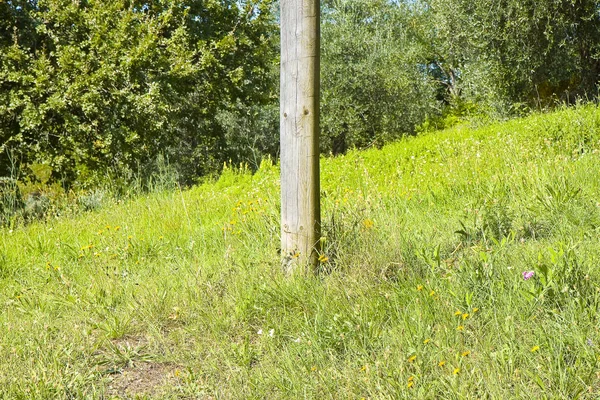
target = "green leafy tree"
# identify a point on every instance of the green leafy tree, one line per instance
(374, 82)
(509, 53)
(92, 88)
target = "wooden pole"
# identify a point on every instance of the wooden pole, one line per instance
(299, 130)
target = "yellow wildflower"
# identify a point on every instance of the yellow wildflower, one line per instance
(475, 310)
(426, 341)
(535, 348)
(412, 358)
(465, 316)
(457, 312)
(442, 363)
(323, 258)
(432, 293)
(460, 328)
(456, 371)
(465, 353)
(420, 287)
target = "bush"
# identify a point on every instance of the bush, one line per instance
(95, 89)
(11, 200)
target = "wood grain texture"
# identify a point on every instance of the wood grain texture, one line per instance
(299, 130)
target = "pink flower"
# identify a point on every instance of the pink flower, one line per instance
(528, 274)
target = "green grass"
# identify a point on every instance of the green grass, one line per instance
(180, 294)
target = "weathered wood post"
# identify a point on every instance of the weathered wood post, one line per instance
(299, 130)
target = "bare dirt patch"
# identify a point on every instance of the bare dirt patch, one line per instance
(142, 378)
(132, 369)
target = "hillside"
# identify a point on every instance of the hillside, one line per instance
(179, 294)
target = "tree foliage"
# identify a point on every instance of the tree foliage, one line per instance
(88, 87)
(93, 90)
(509, 53)
(374, 85)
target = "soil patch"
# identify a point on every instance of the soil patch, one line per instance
(142, 378)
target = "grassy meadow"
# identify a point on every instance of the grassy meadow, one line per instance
(179, 294)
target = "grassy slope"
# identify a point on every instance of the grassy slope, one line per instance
(181, 283)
